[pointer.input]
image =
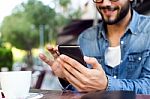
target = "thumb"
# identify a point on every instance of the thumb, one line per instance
(92, 61)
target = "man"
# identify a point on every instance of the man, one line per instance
(118, 51)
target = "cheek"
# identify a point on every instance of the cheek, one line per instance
(118, 3)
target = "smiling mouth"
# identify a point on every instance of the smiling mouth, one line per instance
(108, 10)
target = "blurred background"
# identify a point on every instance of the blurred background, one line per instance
(27, 26)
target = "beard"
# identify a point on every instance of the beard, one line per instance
(121, 14)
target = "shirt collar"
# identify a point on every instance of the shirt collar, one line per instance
(133, 25)
(102, 30)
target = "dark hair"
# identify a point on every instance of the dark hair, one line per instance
(133, 3)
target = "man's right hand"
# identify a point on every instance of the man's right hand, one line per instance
(53, 63)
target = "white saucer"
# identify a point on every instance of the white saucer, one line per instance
(34, 96)
(31, 96)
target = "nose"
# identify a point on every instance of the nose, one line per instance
(106, 3)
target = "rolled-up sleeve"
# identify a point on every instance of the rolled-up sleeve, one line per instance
(140, 86)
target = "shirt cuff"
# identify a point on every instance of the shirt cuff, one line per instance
(113, 84)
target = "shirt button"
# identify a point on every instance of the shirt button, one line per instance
(121, 61)
(140, 58)
(122, 42)
(115, 76)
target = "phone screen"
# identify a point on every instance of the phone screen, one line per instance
(72, 51)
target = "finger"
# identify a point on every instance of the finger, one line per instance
(53, 51)
(56, 48)
(85, 83)
(81, 87)
(75, 64)
(56, 68)
(93, 62)
(72, 80)
(45, 59)
(57, 65)
(72, 70)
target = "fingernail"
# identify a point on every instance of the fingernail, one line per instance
(86, 58)
(62, 56)
(40, 54)
(48, 46)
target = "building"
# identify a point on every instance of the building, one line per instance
(71, 32)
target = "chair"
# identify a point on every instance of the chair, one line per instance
(40, 79)
(37, 77)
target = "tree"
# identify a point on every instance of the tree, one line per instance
(17, 30)
(38, 13)
(21, 28)
(6, 56)
(64, 3)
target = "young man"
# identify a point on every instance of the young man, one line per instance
(118, 51)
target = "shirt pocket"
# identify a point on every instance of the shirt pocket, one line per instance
(135, 63)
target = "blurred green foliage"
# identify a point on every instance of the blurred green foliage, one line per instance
(6, 58)
(64, 3)
(21, 28)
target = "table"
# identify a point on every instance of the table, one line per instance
(54, 94)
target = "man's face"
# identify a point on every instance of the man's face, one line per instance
(113, 12)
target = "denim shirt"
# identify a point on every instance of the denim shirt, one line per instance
(133, 73)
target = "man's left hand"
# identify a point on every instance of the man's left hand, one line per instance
(82, 78)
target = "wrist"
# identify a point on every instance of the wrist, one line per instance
(105, 83)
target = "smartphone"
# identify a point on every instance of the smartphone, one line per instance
(72, 51)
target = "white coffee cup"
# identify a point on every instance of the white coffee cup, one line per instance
(15, 84)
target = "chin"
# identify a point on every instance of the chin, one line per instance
(110, 22)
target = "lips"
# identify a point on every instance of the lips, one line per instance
(109, 12)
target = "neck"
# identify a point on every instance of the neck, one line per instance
(120, 27)
(116, 31)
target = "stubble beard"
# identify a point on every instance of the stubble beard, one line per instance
(121, 14)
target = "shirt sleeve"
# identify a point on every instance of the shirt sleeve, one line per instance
(140, 86)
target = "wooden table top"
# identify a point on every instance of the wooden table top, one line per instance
(54, 94)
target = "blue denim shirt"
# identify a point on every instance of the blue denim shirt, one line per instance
(133, 73)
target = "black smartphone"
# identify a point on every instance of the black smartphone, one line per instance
(72, 51)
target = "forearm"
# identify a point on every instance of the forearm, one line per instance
(140, 86)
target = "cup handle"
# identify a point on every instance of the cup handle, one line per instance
(2, 94)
